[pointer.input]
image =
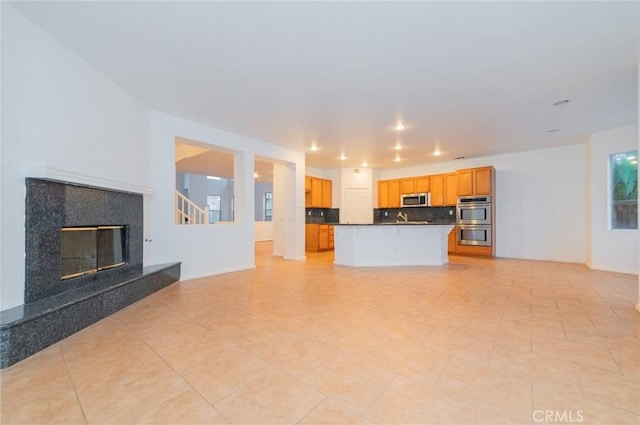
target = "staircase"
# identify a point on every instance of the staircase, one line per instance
(188, 212)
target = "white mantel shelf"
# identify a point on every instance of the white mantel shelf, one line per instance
(371, 245)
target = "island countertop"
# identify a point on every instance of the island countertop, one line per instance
(402, 223)
(393, 244)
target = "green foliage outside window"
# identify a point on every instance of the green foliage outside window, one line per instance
(625, 176)
(624, 190)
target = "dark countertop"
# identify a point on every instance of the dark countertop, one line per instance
(408, 223)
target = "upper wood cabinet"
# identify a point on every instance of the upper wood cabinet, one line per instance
(483, 181)
(389, 193)
(383, 194)
(414, 185)
(437, 190)
(326, 194)
(422, 184)
(444, 188)
(475, 181)
(319, 193)
(450, 189)
(407, 186)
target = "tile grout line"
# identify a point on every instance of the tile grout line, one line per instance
(73, 385)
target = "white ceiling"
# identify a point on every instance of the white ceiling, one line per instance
(469, 78)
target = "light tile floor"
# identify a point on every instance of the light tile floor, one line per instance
(477, 341)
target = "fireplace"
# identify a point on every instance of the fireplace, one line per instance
(83, 262)
(87, 250)
(78, 235)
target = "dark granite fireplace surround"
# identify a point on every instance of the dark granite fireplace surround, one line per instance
(56, 308)
(50, 206)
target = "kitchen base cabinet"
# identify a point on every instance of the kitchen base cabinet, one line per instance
(475, 250)
(452, 241)
(318, 237)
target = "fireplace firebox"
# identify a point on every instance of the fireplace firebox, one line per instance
(91, 249)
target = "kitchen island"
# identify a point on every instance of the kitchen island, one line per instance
(393, 244)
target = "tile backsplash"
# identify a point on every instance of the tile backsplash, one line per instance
(436, 215)
(322, 215)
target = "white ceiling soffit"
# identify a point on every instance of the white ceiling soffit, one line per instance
(193, 158)
(466, 78)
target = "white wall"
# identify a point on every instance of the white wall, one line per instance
(263, 231)
(539, 200)
(613, 250)
(213, 249)
(60, 119)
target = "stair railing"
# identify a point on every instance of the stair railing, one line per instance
(187, 212)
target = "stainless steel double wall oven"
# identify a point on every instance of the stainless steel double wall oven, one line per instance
(474, 220)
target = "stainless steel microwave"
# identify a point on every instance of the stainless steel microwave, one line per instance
(415, 200)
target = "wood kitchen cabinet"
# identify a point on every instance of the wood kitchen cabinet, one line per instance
(422, 184)
(319, 193)
(316, 193)
(326, 194)
(407, 186)
(414, 185)
(475, 181)
(319, 237)
(450, 189)
(453, 240)
(383, 194)
(389, 194)
(444, 188)
(437, 190)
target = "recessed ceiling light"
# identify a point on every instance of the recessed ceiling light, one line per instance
(398, 147)
(255, 175)
(397, 159)
(364, 164)
(342, 157)
(314, 147)
(560, 102)
(553, 130)
(399, 127)
(437, 152)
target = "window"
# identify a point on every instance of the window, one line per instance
(624, 190)
(213, 206)
(268, 206)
